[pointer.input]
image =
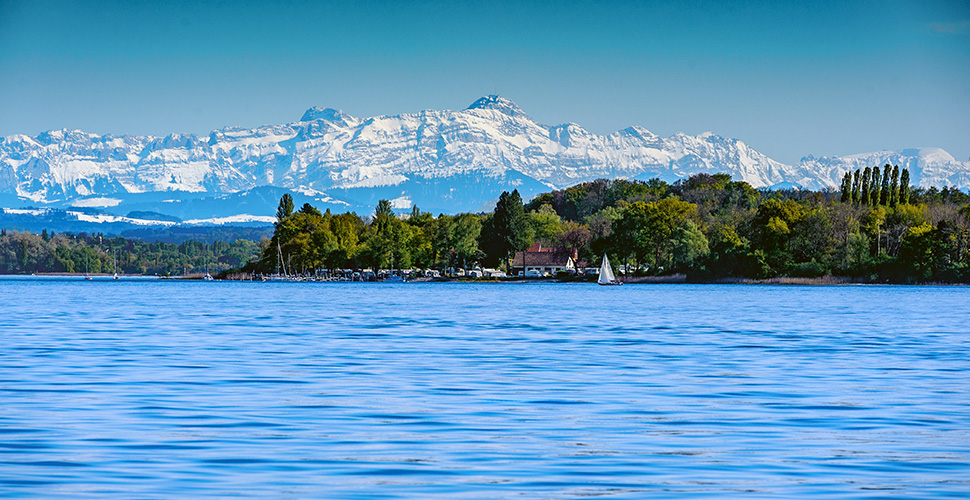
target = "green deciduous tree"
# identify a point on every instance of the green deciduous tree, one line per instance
(813, 237)
(546, 224)
(575, 236)
(456, 240)
(647, 228)
(688, 245)
(898, 222)
(728, 253)
(772, 228)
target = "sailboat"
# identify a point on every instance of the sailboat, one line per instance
(279, 263)
(207, 277)
(606, 273)
(391, 277)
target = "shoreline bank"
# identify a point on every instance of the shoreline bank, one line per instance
(673, 279)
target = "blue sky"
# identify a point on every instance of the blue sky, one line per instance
(821, 78)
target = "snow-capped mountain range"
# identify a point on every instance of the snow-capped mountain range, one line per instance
(443, 161)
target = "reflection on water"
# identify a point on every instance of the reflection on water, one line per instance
(159, 389)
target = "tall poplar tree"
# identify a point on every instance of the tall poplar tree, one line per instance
(855, 187)
(904, 187)
(846, 188)
(894, 187)
(875, 187)
(864, 195)
(884, 195)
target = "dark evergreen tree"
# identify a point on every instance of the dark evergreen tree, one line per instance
(285, 209)
(511, 225)
(488, 241)
(904, 187)
(310, 210)
(884, 194)
(383, 213)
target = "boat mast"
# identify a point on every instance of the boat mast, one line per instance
(279, 260)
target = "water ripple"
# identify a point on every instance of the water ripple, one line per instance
(167, 389)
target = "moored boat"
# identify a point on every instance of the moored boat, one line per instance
(606, 277)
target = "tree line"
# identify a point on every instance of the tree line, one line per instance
(48, 252)
(877, 228)
(708, 227)
(868, 190)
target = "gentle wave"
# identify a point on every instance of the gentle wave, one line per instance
(161, 389)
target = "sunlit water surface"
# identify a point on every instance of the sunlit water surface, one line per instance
(162, 389)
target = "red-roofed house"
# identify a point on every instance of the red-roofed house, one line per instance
(544, 261)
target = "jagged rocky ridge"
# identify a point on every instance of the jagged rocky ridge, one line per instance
(443, 161)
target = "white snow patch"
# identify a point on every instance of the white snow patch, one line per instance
(36, 196)
(96, 202)
(936, 155)
(377, 181)
(401, 202)
(105, 218)
(327, 199)
(308, 191)
(20, 211)
(218, 221)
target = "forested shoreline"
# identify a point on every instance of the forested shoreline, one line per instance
(48, 252)
(876, 229)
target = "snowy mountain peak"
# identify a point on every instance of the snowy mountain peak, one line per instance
(638, 132)
(56, 136)
(930, 154)
(321, 113)
(443, 161)
(497, 103)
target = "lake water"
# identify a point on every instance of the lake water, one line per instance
(162, 389)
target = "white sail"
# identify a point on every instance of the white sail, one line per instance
(606, 272)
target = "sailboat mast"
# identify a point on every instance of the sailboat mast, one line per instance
(279, 257)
